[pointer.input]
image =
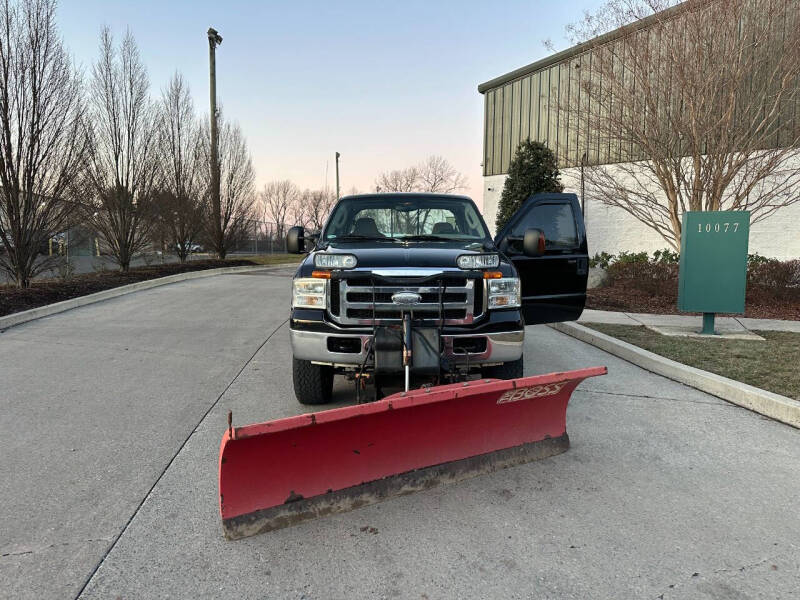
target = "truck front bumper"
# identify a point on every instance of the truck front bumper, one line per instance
(469, 348)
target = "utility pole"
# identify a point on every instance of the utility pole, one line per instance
(337, 175)
(214, 40)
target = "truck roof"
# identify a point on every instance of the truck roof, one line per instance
(406, 195)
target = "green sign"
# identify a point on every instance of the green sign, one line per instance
(713, 269)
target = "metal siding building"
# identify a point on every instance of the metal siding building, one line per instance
(543, 102)
(524, 104)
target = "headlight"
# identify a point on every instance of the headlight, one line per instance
(478, 261)
(335, 261)
(504, 293)
(309, 293)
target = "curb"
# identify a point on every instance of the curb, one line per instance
(781, 408)
(59, 307)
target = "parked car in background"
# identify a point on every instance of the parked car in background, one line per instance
(192, 247)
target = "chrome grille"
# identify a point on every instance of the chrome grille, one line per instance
(355, 302)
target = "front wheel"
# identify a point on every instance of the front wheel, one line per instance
(509, 370)
(313, 384)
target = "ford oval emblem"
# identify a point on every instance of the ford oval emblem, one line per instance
(406, 298)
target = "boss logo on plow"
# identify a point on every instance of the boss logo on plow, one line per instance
(536, 391)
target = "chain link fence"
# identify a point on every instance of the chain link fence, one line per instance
(80, 251)
(260, 237)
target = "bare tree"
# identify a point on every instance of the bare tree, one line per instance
(42, 136)
(237, 187)
(695, 104)
(123, 166)
(314, 208)
(403, 180)
(277, 202)
(180, 202)
(434, 174)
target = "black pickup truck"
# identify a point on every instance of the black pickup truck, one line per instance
(413, 283)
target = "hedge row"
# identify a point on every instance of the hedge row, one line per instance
(658, 273)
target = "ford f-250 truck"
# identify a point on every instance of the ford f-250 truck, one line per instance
(414, 283)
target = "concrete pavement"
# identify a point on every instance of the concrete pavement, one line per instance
(94, 404)
(731, 325)
(666, 491)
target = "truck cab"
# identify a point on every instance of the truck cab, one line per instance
(414, 283)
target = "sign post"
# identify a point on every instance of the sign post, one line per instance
(713, 267)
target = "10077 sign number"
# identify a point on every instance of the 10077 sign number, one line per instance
(717, 227)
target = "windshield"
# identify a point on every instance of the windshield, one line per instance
(405, 218)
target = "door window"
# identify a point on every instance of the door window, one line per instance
(556, 221)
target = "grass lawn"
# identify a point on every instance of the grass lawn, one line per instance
(271, 259)
(771, 365)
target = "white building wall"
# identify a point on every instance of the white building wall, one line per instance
(492, 190)
(611, 229)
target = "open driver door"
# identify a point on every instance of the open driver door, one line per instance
(546, 241)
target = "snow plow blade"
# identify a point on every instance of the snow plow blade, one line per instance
(282, 472)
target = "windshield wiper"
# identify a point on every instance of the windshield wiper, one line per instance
(431, 238)
(359, 237)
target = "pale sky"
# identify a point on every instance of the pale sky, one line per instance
(384, 83)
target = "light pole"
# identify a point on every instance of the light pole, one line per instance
(214, 40)
(337, 175)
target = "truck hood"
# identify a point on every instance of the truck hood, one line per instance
(399, 255)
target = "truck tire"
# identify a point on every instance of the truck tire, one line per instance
(313, 384)
(509, 370)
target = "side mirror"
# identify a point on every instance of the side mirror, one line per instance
(295, 240)
(312, 238)
(533, 244)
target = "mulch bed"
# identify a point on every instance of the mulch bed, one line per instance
(48, 291)
(760, 304)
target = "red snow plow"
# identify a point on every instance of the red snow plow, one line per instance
(281, 472)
